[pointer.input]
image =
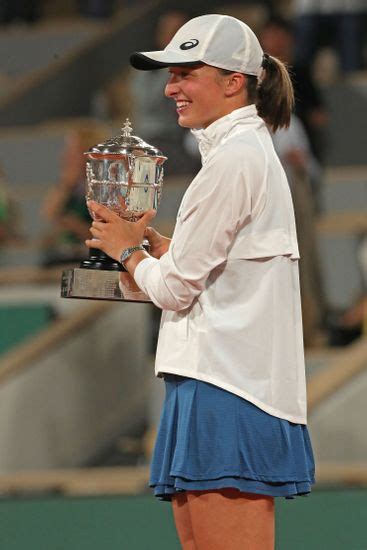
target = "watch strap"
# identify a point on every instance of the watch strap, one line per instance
(125, 254)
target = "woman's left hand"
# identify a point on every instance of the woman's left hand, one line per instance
(112, 234)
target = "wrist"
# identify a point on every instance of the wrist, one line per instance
(127, 252)
(134, 260)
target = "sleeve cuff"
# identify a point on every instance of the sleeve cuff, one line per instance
(140, 271)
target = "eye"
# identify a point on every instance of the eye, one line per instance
(178, 75)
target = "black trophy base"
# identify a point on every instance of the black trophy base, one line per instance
(99, 260)
(101, 278)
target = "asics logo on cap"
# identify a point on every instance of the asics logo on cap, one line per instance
(189, 44)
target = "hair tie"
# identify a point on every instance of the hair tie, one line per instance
(266, 61)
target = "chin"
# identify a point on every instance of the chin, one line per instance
(186, 123)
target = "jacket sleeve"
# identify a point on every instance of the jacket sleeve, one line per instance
(216, 205)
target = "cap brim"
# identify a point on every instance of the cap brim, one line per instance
(149, 61)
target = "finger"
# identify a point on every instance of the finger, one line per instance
(94, 243)
(101, 211)
(147, 217)
(95, 232)
(151, 234)
(98, 225)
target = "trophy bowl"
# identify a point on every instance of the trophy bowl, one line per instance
(125, 174)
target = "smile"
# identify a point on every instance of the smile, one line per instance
(181, 105)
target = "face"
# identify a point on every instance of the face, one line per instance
(277, 41)
(199, 93)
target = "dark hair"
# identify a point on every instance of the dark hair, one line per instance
(279, 23)
(272, 93)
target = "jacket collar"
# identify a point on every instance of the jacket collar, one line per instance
(213, 135)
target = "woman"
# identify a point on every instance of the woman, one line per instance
(9, 216)
(232, 433)
(64, 206)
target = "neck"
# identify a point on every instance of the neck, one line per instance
(228, 107)
(235, 102)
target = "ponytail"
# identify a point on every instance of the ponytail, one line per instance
(274, 93)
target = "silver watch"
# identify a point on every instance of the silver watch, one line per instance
(125, 254)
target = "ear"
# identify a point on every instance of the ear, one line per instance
(235, 83)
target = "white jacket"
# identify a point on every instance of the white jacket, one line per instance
(229, 285)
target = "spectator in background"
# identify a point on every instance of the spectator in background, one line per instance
(346, 326)
(316, 21)
(65, 206)
(8, 215)
(293, 149)
(155, 119)
(277, 38)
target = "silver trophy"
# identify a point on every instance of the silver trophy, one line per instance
(125, 174)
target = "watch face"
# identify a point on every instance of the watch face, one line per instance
(128, 251)
(125, 254)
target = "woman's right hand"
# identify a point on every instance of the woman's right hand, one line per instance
(159, 245)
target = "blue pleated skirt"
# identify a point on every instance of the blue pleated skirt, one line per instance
(209, 439)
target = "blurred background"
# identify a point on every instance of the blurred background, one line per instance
(79, 404)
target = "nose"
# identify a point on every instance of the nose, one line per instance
(171, 88)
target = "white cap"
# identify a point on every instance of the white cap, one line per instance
(218, 40)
